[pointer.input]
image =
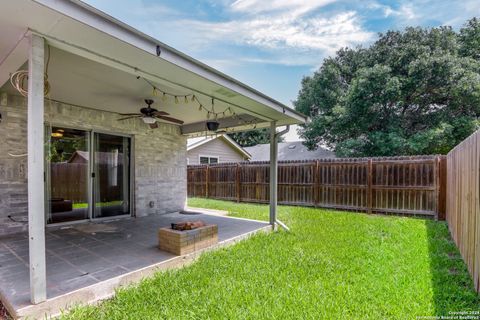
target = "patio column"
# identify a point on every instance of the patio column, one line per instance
(36, 189)
(273, 173)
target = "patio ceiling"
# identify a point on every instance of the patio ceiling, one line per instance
(95, 62)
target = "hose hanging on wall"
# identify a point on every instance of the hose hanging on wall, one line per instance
(19, 79)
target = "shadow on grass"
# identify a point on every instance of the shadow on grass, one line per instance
(453, 289)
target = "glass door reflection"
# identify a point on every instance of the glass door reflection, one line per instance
(111, 175)
(68, 165)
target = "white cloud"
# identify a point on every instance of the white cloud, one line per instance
(406, 11)
(295, 7)
(311, 36)
(295, 24)
(286, 32)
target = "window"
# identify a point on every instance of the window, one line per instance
(208, 160)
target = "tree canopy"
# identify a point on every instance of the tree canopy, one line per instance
(411, 92)
(252, 138)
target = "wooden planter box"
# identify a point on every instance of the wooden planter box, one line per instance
(188, 241)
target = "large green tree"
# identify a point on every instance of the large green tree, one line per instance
(415, 91)
(252, 138)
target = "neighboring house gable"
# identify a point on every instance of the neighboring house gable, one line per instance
(288, 151)
(100, 157)
(218, 149)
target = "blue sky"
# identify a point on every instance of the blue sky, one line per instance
(272, 44)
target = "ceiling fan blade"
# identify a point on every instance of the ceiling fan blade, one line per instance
(130, 114)
(160, 113)
(169, 119)
(130, 117)
(153, 125)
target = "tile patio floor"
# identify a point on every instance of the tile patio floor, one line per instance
(85, 254)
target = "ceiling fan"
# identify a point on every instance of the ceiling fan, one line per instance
(150, 115)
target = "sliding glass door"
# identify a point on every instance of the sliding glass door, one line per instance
(111, 175)
(68, 184)
(88, 175)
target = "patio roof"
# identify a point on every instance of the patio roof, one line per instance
(104, 57)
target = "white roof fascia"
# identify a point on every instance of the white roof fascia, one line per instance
(236, 145)
(227, 139)
(199, 143)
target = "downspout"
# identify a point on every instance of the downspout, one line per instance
(274, 178)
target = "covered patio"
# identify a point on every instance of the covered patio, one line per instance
(82, 149)
(81, 257)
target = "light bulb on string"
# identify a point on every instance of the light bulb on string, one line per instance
(176, 100)
(186, 99)
(193, 98)
(164, 97)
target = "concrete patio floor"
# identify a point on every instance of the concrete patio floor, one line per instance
(98, 257)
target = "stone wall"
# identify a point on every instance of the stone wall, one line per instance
(13, 170)
(159, 158)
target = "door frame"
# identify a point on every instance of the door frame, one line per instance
(90, 189)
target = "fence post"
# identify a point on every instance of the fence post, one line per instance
(369, 185)
(436, 166)
(316, 183)
(237, 182)
(442, 211)
(206, 180)
(441, 187)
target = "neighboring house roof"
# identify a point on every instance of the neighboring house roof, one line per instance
(197, 142)
(288, 151)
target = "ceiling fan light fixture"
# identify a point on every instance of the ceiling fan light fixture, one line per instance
(149, 120)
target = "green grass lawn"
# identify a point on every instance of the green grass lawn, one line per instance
(332, 265)
(82, 205)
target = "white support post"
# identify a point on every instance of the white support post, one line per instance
(273, 173)
(36, 188)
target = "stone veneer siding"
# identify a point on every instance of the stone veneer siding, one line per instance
(159, 158)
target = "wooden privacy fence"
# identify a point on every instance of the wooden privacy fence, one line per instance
(70, 181)
(463, 203)
(404, 185)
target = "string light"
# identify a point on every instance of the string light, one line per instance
(194, 98)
